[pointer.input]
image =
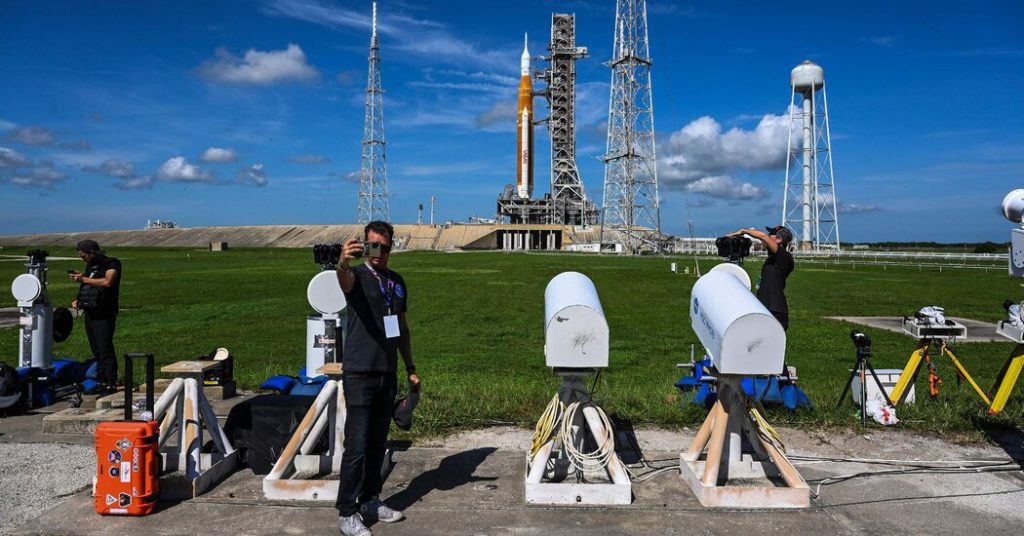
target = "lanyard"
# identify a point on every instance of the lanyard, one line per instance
(386, 291)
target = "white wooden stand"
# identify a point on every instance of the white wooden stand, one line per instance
(722, 475)
(619, 490)
(292, 475)
(184, 411)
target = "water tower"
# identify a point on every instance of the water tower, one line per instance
(809, 202)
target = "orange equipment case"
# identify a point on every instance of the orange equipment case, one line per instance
(128, 455)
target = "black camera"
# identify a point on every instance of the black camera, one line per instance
(861, 341)
(327, 255)
(734, 248)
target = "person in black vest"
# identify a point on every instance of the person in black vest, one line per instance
(771, 286)
(377, 333)
(98, 296)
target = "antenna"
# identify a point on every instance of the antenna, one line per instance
(373, 174)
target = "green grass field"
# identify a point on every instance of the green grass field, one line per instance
(477, 326)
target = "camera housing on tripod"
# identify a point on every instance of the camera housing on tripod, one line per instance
(733, 248)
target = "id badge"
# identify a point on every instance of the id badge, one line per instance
(391, 329)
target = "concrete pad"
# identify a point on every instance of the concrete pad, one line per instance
(977, 331)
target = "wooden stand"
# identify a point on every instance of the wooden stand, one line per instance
(538, 491)
(722, 475)
(184, 411)
(292, 475)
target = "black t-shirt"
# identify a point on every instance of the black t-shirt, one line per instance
(367, 349)
(772, 286)
(110, 297)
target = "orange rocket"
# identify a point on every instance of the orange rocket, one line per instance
(524, 128)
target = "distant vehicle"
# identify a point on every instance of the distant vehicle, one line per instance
(160, 224)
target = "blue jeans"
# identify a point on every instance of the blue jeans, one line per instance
(369, 400)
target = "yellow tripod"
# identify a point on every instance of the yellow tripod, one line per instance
(1008, 375)
(920, 355)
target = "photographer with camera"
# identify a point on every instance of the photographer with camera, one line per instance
(771, 286)
(98, 296)
(377, 333)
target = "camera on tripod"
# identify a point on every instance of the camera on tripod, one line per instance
(861, 341)
(733, 248)
(327, 255)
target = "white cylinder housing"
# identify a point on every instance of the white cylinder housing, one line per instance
(575, 331)
(1013, 206)
(808, 76)
(737, 331)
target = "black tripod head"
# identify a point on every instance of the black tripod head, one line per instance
(863, 343)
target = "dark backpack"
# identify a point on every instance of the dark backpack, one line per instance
(8, 380)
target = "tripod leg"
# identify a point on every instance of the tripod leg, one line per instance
(881, 388)
(1007, 379)
(846, 387)
(910, 372)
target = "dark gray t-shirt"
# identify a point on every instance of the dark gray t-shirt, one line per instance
(373, 297)
(772, 287)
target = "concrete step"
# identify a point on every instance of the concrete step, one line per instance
(79, 420)
(212, 392)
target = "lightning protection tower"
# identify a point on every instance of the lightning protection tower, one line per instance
(373, 175)
(631, 215)
(809, 202)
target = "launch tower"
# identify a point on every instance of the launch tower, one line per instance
(569, 202)
(809, 202)
(631, 216)
(373, 174)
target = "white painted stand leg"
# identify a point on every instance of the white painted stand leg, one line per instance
(183, 408)
(295, 474)
(720, 440)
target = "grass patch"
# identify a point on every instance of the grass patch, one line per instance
(477, 325)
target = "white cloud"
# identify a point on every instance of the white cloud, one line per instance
(135, 183)
(7, 125)
(502, 114)
(41, 175)
(725, 187)
(309, 159)
(216, 155)
(78, 145)
(114, 168)
(178, 169)
(701, 149)
(854, 208)
(259, 68)
(34, 135)
(253, 175)
(9, 159)
(422, 38)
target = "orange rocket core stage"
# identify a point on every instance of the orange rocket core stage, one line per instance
(524, 129)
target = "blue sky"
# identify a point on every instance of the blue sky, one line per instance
(245, 113)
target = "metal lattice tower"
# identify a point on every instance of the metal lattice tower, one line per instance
(569, 201)
(809, 202)
(373, 175)
(631, 215)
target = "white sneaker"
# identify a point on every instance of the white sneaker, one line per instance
(352, 526)
(376, 509)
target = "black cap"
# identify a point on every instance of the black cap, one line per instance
(89, 246)
(403, 410)
(782, 232)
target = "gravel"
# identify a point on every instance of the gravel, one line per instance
(36, 476)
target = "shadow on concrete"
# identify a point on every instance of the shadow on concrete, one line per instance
(453, 471)
(1010, 439)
